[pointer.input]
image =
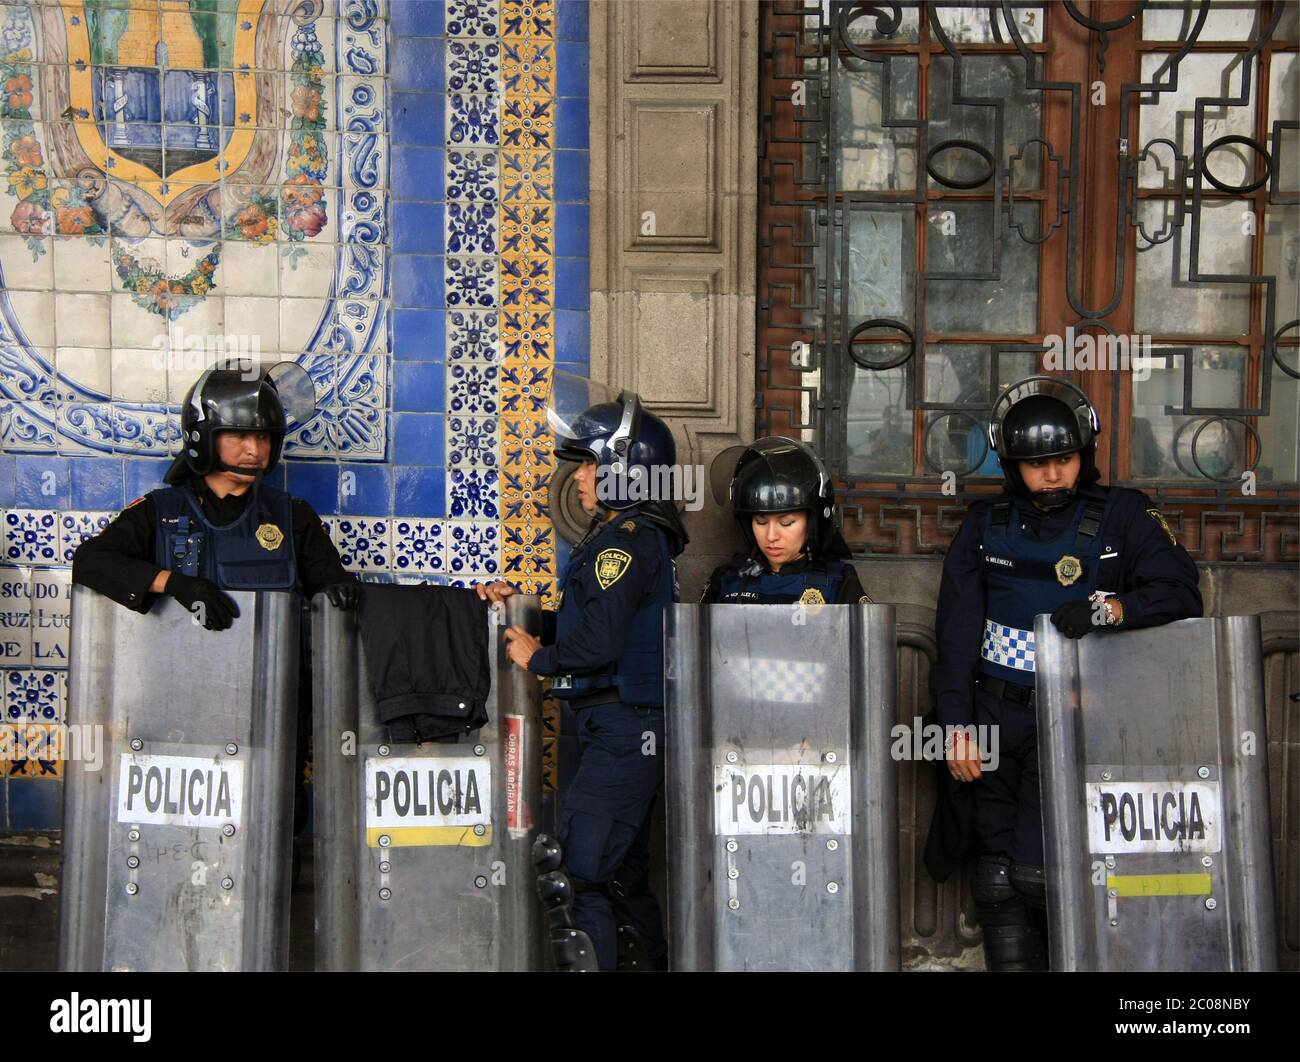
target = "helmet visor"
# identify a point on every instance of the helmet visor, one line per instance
(567, 402)
(296, 390)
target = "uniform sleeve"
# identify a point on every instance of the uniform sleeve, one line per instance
(1160, 581)
(119, 561)
(959, 623)
(711, 592)
(598, 641)
(851, 591)
(319, 564)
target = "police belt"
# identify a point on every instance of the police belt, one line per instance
(1024, 696)
(608, 695)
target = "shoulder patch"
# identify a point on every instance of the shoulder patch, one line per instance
(628, 527)
(611, 564)
(1159, 518)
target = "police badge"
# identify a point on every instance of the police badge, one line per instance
(812, 596)
(1068, 570)
(610, 566)
(270, 537)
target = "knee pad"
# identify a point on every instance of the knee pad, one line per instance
(547, 853)
(1030, 883)
(992, 883)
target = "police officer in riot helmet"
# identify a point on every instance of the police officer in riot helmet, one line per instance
(217, 525)
(606, 663)
(1055, 541)
(783, 500)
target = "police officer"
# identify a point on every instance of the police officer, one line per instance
(217, 526)
(783, 501)
(1055, 541)
(607, 658)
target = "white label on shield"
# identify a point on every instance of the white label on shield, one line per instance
(781, 798)
(450, 791)
(1153, 817)
(180, 790)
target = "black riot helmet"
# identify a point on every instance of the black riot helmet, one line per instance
(1041, 417)
(593, 422)
(240, 399)
(779, 475)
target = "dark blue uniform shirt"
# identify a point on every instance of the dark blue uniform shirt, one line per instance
(1153, 577)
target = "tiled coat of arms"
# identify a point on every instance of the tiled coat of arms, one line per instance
(200, 184)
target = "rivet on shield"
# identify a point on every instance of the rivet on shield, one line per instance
(1114, 921)
(832, 845)
(385, 867)
(384, 840)
(734, 904)
(1207, 862)
(385, 894)
(136, 744)
(1203, 772)
(1113, 893)
(132, 888)
(732, 757)
(228, 829)
(480, 882)
(830, 757)
(232, 749)
(227, 883)
(132, 861)
(479, 750)
(1110, 862)
(480, 830)
(1211, 903)
(132, 835)
(733, 873)
(732, 845)
(383, 750)
(1105, 776)
(832, 887)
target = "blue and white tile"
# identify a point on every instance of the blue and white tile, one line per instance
(51, 617)
(365, 543)
(419, 546)
(472, 282)
(75, 527)
(34, 696)
(31, 536)
(471, 18)
(474, 336)
(472, 389)
(472, 228)
(472, 441)
(473, 493)
(472, 174)
(473, 548)
(15, 617)
(473, 119)
(473, 66)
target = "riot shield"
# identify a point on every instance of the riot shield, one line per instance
(1153, 759)
(177, 836)
(423, 851)
(781, 791)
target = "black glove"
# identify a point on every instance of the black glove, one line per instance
(215, 608)
(344, 595)
(1074, 619)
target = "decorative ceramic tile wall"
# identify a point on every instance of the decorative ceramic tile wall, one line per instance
(392, 194)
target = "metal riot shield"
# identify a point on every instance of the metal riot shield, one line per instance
(424, 852)
(781, 791)
(177, 836)
(1153, 759)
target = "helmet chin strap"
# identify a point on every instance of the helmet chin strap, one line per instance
(1052, 500)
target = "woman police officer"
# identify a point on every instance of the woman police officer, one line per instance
(782, 499)
(1056, 542)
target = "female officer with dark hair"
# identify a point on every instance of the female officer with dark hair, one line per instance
(1054, 542)
(782, 498)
